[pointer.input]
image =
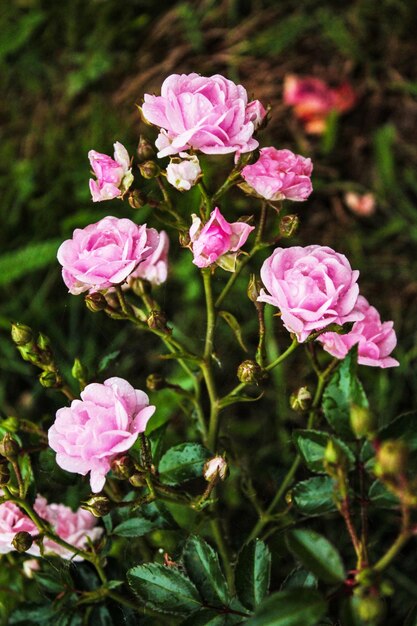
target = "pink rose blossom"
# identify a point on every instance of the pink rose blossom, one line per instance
(210, 114)
(93, 431)
(30, 566)
(312, 286)
(114, 176)
(255, 113)
(279, 175)
(74, 527)
(183, 174)
(12, 521)
(313, 100)
(155, 267)
(362, 205)
(104, 254)
(376, 340)
(217, 241)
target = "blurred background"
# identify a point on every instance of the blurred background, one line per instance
(71, 74)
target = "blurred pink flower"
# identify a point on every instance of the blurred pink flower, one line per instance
(114, 176)
(217, 241)
(104, 254)
(93, 431)
(280, 175)
(313, 100)
(155, 267)
(183, 174)
(12, 521)
(362, 205)
(206, 113)
(376, 340)
(30, 566)
(312, 286)
(74, 527)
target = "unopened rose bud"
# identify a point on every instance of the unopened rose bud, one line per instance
(184, 239)
(333, 455)
(22, 541)
(149, 169)
(362, 421)
(215, 468)
(4, 474)
(50, 380)
(183, 174)
(371, 609)
(97, 506)
(9, 448)
(288, 225)
(44, 343)
(123, 466)
(300, 400)
(79, 371)
(254, 288)
(391, 458)
(21, 334)
(145, 150)
(250, 372)
(155, 382)
(28, 354)
(95, 302)
(157, 320)
(137, 480)
(136, 199)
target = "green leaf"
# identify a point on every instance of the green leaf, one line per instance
(107, 359)
(183, 462)
(316, 554)
(343, 390)
(26, 471)
(299, 578)
(253, 572)
(235, 326)
(314, 496)
(295, 607)
(311, 445)
(151, 517)
(381, 497)
(402, 427)
(19, 263)
(203, 567)
(164, 589)
(207, 617)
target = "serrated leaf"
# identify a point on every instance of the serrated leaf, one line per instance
(314, 496)
(208, 617)
(253, 572)
(299, 578)
(234, 325)
(402, 427)
(381, 497)
(294, 607)
(316, 554)
(183, 462)
(150, 517)
(203, 567)
(311, 445)
(164, 589)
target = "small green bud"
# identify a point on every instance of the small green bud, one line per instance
(21, 334)
(300, 400)
(362, 421)
(288, 225)
(136, 199)
(371, 609)
(145, 149)
(11, 424)
(97, 505)
(333, 454)
(9, 448)
(155, 382)
(50, 380)
(123, 466)
(28, 354)
(137, 480)
(149, 169)
(250, 371)
(22, 541)
(254, 288)
(79, 371)
(95, 302)
(387, 588)
(391, 458)
(157, 320)
(4, 473)
(44, 343)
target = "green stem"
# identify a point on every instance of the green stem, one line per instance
(229, 182)
(218, 535)
(205, 198)
(401, 540)
(211, 315)
(233, 278)
(19, 478)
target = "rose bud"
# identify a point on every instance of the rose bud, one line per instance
(22, 541)
(9, 448)
(300, 400)
(362, 421)
(97, 506)
(122, 466)
(145, 150)
(288, 225)
(215, 468)
(183, 174)
(95, 302)
(50, 380)
(21, 334)
(149, 169)
(136, 199)
(254, 288)
(391, 458)
(157, 320)
(250, 372)
(155, 382)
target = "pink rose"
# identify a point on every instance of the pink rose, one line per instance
(217, 241)
(74, 527)
(209, 114)
(12, 521)
(376, 340)
(114, 176)
(183, 174)
(255, 113)
(155, 267)
(104, 254)
(93, 431)
(362, 205)
(279, 175)
(313, 100)
(312, 286)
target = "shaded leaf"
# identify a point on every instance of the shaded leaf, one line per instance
(150, 517)
(314, 496)
(232, 322)
(183, 462)
(381, 497)
(311, 444)
(299, 578)
(253, 572)
(294, 607)
(317, 555)
(207, 617)
(203, 567)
